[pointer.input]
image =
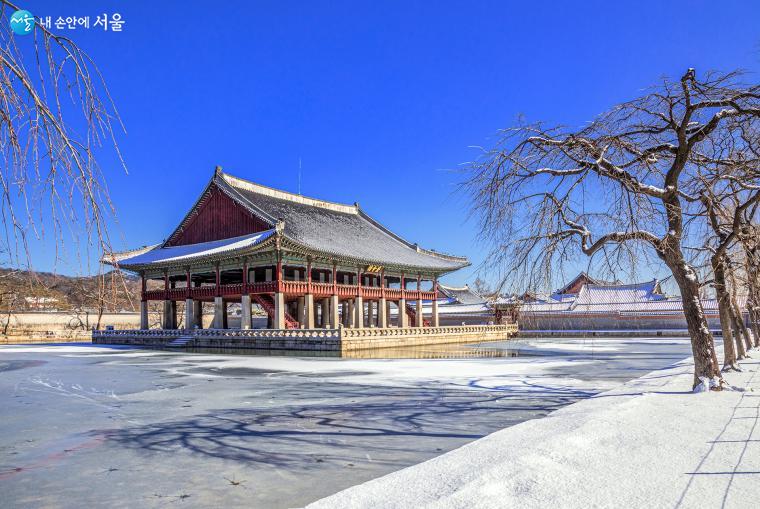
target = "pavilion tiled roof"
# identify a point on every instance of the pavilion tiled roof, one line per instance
(335, 229)
(154, 255)
(302, 224)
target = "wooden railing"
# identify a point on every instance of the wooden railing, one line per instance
(319, 290)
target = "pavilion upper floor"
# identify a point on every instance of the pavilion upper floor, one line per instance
(289, 273)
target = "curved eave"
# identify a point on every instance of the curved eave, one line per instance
(303, 249)
(192, 260)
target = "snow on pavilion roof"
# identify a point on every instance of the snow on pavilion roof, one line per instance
(155, 255)
(344, 231)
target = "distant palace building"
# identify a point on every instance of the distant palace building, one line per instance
(308, 263)
(463, 306)
(586, 303)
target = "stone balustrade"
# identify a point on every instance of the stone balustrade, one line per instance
(340, 339)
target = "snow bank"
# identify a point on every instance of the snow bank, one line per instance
(649, 443)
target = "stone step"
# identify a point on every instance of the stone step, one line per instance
(181, 341)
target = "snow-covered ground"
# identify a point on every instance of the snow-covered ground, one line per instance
(648, 443)
(87, 426)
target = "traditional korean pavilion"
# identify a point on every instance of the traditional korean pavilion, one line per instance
(308, 263)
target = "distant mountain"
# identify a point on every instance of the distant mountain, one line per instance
(22, 290)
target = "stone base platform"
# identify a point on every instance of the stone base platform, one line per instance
(337, 340)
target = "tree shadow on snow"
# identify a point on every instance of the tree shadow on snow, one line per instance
(342, 422)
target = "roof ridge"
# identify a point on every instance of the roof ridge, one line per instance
(255, 187)
(626, 285)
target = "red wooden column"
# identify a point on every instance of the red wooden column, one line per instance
(218, 290)
(382, 304)
(278, 317)
(278, 274)
(420, 317)
(166, 285)
(435, 322)
(334, 314)
(308, 276)
(402, 316)
(143, 304)
(245, 299)
(359, 301)
(189, 284)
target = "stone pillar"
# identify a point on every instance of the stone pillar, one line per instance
(166, 320)
(325, 323)
(198, 313)
(359, 312)
(301, 312)
(388, 313)
(382, 313)
(144, 324)
(245, 315)
(189, 305)
(219, 310)
(370, 313)
(334, 311)
(350, 315)
(418, 314)
(435, 322)
(279, 311)
(309, 311)
(173, 314)
(403, 318)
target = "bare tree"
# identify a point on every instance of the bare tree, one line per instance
(618, 188)
(727, 196)
(750, 243)
(55, 112)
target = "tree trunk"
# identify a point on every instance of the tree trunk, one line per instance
(744, 335)
(752, 301)
(702, 343)
(753, 317)
(724, 311)
(738, 316)
(741, 351)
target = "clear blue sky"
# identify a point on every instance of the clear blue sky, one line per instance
(380, 100)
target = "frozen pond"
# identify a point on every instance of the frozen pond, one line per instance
(88, 426)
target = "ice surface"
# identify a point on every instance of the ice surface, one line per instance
(650, 443)
(87, 426)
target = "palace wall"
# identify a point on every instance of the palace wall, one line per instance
(611, 321)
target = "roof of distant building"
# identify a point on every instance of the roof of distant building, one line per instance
(461, 295)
